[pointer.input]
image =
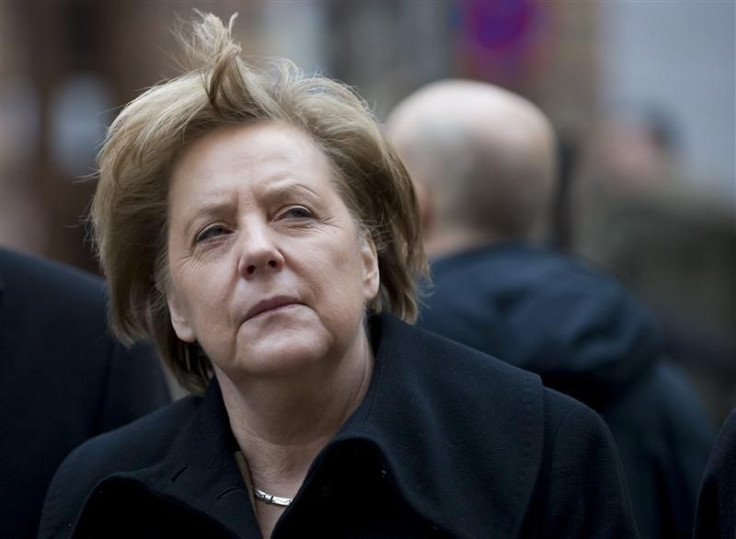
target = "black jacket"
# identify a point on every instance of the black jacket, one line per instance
(587, 337)
(716, 514)
(63, 379)
(447, 442)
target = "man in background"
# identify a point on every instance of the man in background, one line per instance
(483, 162)
(63, 379)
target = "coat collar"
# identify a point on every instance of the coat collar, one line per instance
(468, 473)
(201, 472)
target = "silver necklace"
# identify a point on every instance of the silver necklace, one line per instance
(271, 499)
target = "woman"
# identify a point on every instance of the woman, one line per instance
(256, 226)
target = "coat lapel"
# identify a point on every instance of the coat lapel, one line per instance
(473, 474)
(200, 470)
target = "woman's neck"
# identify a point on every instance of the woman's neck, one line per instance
(281, 424)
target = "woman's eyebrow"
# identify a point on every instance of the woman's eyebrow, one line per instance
(203, 210)
(286, 187)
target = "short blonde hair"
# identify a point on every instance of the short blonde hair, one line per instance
(130, 207)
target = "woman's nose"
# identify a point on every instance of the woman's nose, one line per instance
(259, 252)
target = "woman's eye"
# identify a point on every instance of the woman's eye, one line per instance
(210, 232)
(297, 212)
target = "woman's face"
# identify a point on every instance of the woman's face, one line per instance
(269, 271)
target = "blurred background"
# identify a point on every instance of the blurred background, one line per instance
(642, 94)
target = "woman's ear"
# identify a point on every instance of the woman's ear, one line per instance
(179, 318)
(371, 273)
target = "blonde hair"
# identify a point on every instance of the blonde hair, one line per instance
(129, 211)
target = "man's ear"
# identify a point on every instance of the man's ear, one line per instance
(371, 273)
(179, 318)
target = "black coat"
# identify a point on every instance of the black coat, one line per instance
(587, 337)
(63, 379)
(716, 514)
(447, 442)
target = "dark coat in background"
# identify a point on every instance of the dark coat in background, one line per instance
(587, 337)
(63, 379)
(716, 514)
(447, 442)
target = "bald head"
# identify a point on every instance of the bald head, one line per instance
(483, 159)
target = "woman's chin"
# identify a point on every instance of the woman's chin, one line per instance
(281, 356)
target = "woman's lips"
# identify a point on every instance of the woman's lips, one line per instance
(269, 305)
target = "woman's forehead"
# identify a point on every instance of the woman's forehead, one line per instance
(270, 161)
(266, 140)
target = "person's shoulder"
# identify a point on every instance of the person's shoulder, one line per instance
(437, 352)
(556, 269)
(454, 372)
(534, 440)
(728, 430)
(500, 381)
(512, 270)
(147, 436)
(723, 457)
(575, 434)
(716, 506)
(136, 445)
(579, 475)
(561, 409)
(49, 280)
(32, 266)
